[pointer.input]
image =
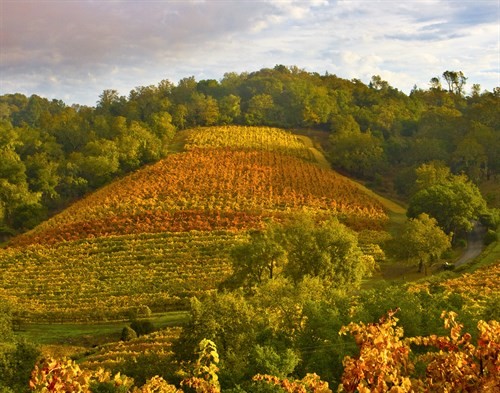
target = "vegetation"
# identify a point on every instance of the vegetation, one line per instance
(194, 197)
(175, 220)
(453, 200)
(109, 278)
(421, 239)
(52, 154)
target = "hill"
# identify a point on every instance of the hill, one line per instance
(163, 234)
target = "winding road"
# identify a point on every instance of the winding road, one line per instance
(474, 244)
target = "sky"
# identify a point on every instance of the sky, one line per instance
(74, 49)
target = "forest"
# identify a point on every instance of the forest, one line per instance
(204, 197)
(53, 154)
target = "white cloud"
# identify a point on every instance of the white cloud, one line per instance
(76, 49)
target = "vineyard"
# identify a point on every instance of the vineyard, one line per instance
(251, 138)
(112, 356)
(164, 233)
(208, 189)
(105, 278)
(478, 287)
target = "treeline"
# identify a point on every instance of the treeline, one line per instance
(51, 153)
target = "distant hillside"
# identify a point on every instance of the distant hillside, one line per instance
(162, 234)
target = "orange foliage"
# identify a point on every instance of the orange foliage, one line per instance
(454, 363)
(213, 189)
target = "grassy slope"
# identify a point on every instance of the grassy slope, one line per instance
(89, 334)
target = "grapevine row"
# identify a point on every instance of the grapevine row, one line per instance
(251, 138)
(208, 190)
(104, 278)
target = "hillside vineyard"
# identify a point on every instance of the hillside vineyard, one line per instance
(163, 233)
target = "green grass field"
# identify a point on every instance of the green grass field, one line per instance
(87, 335)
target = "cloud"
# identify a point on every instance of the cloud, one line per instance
(75, 49)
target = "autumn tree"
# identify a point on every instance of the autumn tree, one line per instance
(383, 363)
(452, 363)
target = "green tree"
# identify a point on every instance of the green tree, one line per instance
(359, 153)
(432, 173)
(260, 109)
(454, 205)
(328, 250)
(452, 200)
(422, 240)
(43, 175)
(470, 157)
(14, 189)
(98, 161)
(456, 81)
(17, 357)
(321, 347)
(230, 109)
(161, 124)
(203, 110)
(232, 323)
(179, 116)
(257, 260)
(267, 360)
(444, 124)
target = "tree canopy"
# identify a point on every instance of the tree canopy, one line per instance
(453, 200)
(422, 240)
(52, 153)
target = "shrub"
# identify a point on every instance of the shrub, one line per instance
(142, 327)
(491, 219)
(128, 334)
(490, 237)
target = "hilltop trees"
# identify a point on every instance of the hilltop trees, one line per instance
(455, 80)
(365, 128)
(15, 194)
(360, 154)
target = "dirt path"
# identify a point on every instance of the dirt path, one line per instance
(474, 244)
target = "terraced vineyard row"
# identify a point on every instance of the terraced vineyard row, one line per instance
(209, 189)
(251, 138)
(477, 288)
(106, 278)
(114, 355)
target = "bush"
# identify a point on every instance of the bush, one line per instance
(490, 237)
(142, 327)
(491, 220)
(128, 334)
(143, 311)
